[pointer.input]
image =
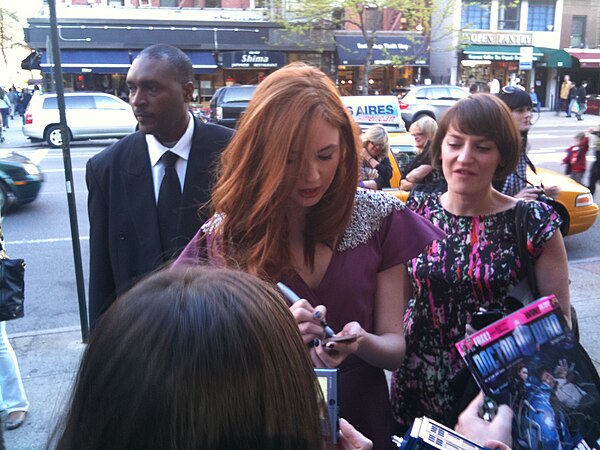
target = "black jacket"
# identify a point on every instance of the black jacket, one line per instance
(124, 233)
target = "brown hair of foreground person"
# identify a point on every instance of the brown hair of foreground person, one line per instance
(194, 358)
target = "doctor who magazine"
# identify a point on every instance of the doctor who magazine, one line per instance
(531, 361)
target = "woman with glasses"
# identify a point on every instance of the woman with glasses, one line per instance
(420, 174)
(477, 262)
(376, 169)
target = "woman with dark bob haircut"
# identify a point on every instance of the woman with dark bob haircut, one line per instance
(288, 210)
(477, 262)
(197, 358)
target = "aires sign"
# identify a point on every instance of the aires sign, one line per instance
(253, 59)
(488, 38)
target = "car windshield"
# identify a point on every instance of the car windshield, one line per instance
(404, 155)
(241, 94)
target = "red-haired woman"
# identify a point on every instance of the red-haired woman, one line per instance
(287, 209)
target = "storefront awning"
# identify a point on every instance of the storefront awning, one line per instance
(116, 61)
(89, 61)
(588, 58)
(352, 50)
(556, 57)
(498, 52)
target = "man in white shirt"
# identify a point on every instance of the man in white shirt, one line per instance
(133, 227)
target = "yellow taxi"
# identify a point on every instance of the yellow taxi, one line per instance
(574, 203)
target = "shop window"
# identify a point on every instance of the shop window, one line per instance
(169, 3)
(578, 32)
(508, 14)
(540, 16)
(212, 4)
(476, 15)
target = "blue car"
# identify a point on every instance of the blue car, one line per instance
(20, 180)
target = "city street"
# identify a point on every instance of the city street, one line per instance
(47, 340)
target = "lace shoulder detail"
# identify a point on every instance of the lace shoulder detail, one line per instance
(370, 209)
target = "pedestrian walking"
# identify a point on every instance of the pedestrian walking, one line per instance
(595, 170)
(572, 99)
(565, 87)
(581, 100)
(575, 161)
(4, 107)
(13, 96)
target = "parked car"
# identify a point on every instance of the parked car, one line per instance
(20, 180)
(228, 103)
(429, 100)
(574, 203)
(90, 115)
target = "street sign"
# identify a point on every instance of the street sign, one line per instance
(526, 58)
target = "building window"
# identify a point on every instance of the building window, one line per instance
(476, 15)
(578, 32)
(541, 15)
(169, 3)
(508, 14)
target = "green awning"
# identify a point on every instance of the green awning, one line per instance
(498, 52)
(556, 57)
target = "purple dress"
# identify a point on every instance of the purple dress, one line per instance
(382, 233)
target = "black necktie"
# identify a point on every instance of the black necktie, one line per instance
(169, 201)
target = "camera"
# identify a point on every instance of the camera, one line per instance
(328, 381)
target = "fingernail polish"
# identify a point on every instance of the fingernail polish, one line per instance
(317, 314)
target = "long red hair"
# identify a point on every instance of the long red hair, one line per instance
(252, 191)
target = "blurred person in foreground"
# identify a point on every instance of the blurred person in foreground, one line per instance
(287, 209)
(515, 183)
(148, 192)
(477, 262)
(197, 358)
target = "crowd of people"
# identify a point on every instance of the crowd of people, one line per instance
(192, 225)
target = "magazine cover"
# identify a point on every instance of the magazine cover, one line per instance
(531, 361)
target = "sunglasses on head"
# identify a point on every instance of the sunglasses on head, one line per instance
(512, 89)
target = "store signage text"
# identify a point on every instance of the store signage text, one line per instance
(497, 38)
(253, 59)
(383, 45)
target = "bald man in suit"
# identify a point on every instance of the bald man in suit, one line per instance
(130, 234)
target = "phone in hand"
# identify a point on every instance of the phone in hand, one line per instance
(341, 338)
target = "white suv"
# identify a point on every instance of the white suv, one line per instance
(90, 115)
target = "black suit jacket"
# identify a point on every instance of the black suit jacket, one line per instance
(124, 232)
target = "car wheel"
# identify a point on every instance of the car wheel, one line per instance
(6, 199)
(53, 137)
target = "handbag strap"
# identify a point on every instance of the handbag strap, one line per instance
(521, 233)
(3, 254)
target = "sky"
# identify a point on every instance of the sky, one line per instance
(10, 71)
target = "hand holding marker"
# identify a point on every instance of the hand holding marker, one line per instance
(293, 298)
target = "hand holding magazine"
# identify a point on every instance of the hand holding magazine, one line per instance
(531, 361)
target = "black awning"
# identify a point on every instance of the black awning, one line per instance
(32, 62)
(89, 61)
(352, 50)
(116, 61)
